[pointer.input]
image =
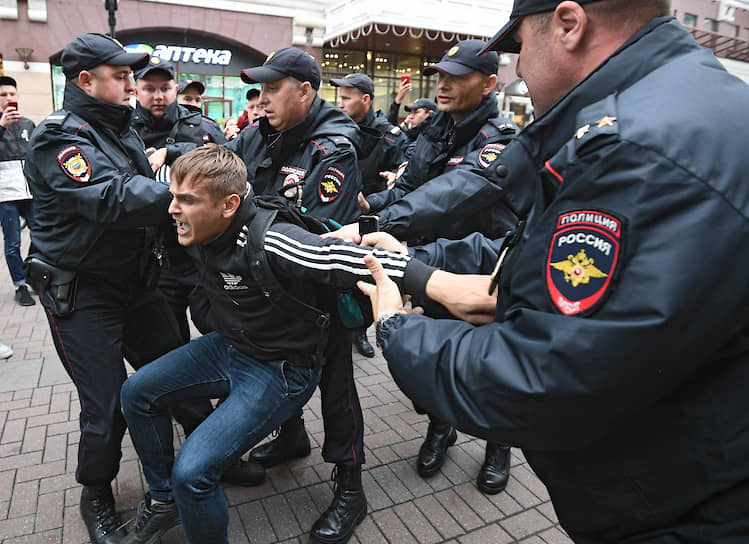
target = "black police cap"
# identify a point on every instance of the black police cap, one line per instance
(421, 103)
(359, 81)
(462, 59)
(88, 51)
(155, 65)
(502, 40)
(285, 62)
(185, 83)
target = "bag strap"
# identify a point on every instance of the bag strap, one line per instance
(274, 291)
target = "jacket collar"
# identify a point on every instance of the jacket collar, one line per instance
(662, 38)
(369, 119)
(96, 112)
(172, 113)
(228, 238)
(441, 127)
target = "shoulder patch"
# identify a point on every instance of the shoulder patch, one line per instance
(489, 154)
(331, 184)
(583, 258)
(395, 130)
(74, 163)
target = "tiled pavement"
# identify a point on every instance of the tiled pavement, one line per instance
(39, 495)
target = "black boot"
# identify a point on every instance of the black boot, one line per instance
(362, 344)
(292, 442)
(244, 473)
(349, 506)
(440, 436)
(99, 515)
(495, 471)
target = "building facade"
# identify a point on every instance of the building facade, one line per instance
(213, 41)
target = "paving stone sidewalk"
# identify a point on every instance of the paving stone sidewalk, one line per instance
(38, 448)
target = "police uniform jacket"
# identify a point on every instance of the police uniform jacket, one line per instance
(619, 359)
(387, 155)
(443, 145)
(394, 142)
(306, 264)
(14, 141)
(313, 163)
(191, 126)
(471, 197)
(92, 187)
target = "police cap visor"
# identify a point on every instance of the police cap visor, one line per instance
(88, 51)
(503, 41)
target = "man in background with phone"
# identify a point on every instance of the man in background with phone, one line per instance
(15, 198)
(403, 90)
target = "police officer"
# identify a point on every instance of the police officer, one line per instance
(467, 124)
(418, 112)
(159, 118)
(190, 94)
(92, 259)
(620, 375)
(356, 97)
(304, 149)
(467, 121)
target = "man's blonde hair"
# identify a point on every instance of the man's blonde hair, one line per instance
(221, 169)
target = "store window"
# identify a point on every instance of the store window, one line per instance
(385, 69)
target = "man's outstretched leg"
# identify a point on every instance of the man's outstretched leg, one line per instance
(259, 395)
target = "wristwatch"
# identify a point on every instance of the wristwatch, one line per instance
(382, 324)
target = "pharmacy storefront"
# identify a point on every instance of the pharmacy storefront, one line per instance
(212, 59)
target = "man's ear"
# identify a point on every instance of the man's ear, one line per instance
(305, 90)
(489, 85)
(366, 100)
(571, 22)
(84, 80)
(231, 205)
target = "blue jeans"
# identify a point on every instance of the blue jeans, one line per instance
(10, 214)
(259, 397)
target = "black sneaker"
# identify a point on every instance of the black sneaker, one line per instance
(23, 297)
(152, 521)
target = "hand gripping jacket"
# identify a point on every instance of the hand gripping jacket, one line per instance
(620, 353)
(273, 294)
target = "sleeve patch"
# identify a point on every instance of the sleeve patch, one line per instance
(74, 163)
(583, 258)
(489, 154)
(331, 184)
